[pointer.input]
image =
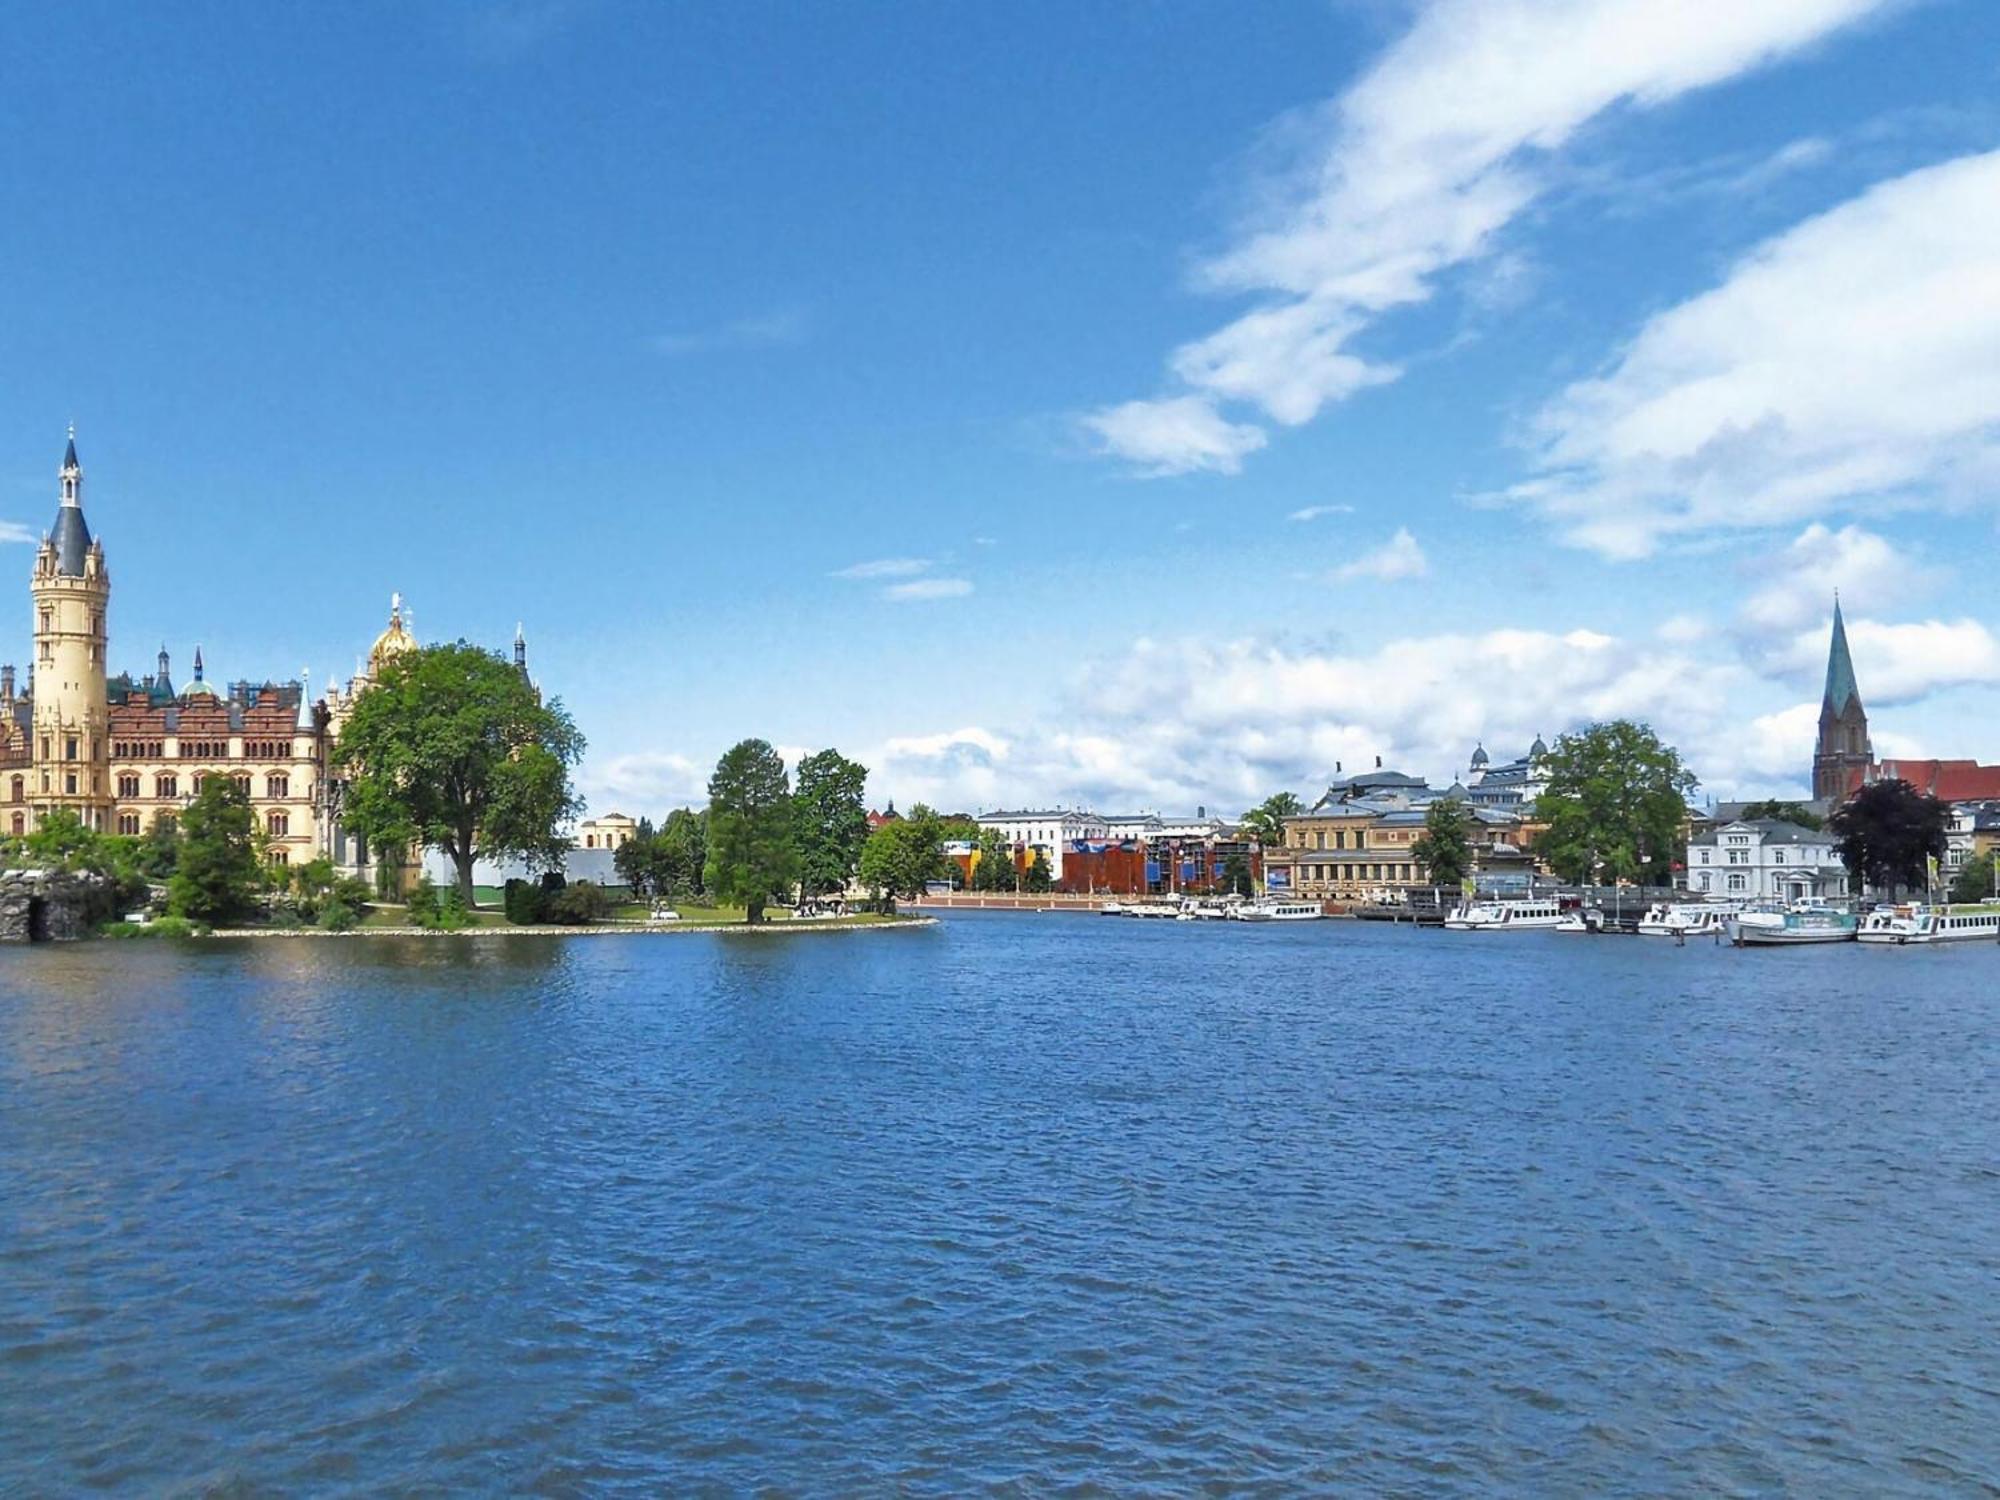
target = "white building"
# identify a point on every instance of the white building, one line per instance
(1764, 859)
(1051, 830)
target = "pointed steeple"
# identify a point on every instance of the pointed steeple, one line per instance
(197, 664)
(520, 649)
(1840, 684)
(70, 536)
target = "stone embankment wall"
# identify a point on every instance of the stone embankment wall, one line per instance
(52, 905)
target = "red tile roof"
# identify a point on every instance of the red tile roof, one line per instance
(1947, 780)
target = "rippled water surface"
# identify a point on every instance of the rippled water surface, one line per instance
(1019, 1204)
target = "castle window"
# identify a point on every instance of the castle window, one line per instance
(17, 789)
(166, 786)
(195, 781)
(242, 784)
(20, 823)
(278, 824)
(47, 655)
(48, 620)
(277, 786)
(166, 822)
(69, 784)
(69, 749)
(128, 823)
(45, 747)
(128, 786)
(280, 858)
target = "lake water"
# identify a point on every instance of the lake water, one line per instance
(1020, 1204)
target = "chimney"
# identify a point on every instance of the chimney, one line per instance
(7, 681)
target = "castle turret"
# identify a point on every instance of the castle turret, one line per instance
(1843, 754)
(72, 591)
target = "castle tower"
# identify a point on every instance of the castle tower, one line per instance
(72, 590)
(1843, 755)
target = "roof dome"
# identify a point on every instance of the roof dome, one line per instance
(1537, 750)
(1479, 755)
(392, 642)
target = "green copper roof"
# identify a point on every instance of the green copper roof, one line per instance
(1840, 687)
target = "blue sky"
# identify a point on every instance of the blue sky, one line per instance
(1603, 349)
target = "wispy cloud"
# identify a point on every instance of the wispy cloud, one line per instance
(1415, 171)
(770, 330)
(884, 567)
(17, 531)
(1399, 557)
(1851, 362)
(1314, 512)
(927, 588)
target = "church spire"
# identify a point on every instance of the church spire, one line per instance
(1840, 684)
(70, 536)
(520, 649)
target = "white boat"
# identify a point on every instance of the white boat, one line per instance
(1687, 918)
(1270, 909)
(1916, 922)
(1572, 921)
(1505, 915)
(1111, 909)
(1196, 909)
(1808, 921)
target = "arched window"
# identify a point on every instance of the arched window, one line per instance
(278, 824)
(167, 785)
(17, 789)
(20, 823)
(277, 784)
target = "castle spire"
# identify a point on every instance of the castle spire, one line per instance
(520, 649)
(70, 536)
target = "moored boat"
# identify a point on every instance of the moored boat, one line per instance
(1505, 915)
(1917, 922)
(1808, 921)
(1275, 909)
(1687, 918)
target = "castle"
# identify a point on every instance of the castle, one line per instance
(127, 756)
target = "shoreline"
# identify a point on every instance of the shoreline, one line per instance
(600, 929)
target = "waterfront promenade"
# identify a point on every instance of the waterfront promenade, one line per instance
(948, 1213)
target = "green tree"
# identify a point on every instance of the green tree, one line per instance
(1978, 880)
(1266, 821)
(1236, 877)
(683, 853)
(752, 850)
(637, 860)
(830, 816)
(158, 850)
(1036, 880)
(453, 749)
(1444, 848)
(217, 875)
(1615, 805)
(902, 857)
(1887, 832)
(1784, 812)
(994, 870)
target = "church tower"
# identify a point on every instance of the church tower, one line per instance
(1843, 755)
(71, 722)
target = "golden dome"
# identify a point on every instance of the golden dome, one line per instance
(392, 642)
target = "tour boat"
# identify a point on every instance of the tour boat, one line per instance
(1274, 909)
(1505, 915)
(1807, 921)
(1572, 921)
(1916, 922)
(1687, 918)
(1111, 909)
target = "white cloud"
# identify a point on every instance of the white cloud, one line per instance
(643, 784)
(1415, 170)
(18, 531)
(1901, 663)
(1314, 512)
(769, 330)
(884, 567)
(1683, 630)
(928, 588)
(1174, 435)
(1801, 580)
(1399, 557)
(1852, 361)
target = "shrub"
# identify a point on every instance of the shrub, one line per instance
(423, 903)
(523, 903)
(577, 904)
(337, 916)
(159, 927)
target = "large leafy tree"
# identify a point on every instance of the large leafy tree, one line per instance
(453, 748)
(994, 870)
(1886, 832)
(752, 845)
(1979, 880)
(1615, 805)
(902, 857)
(1266, 821)
(216, 875)
(830, 815)
(1444, 848)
